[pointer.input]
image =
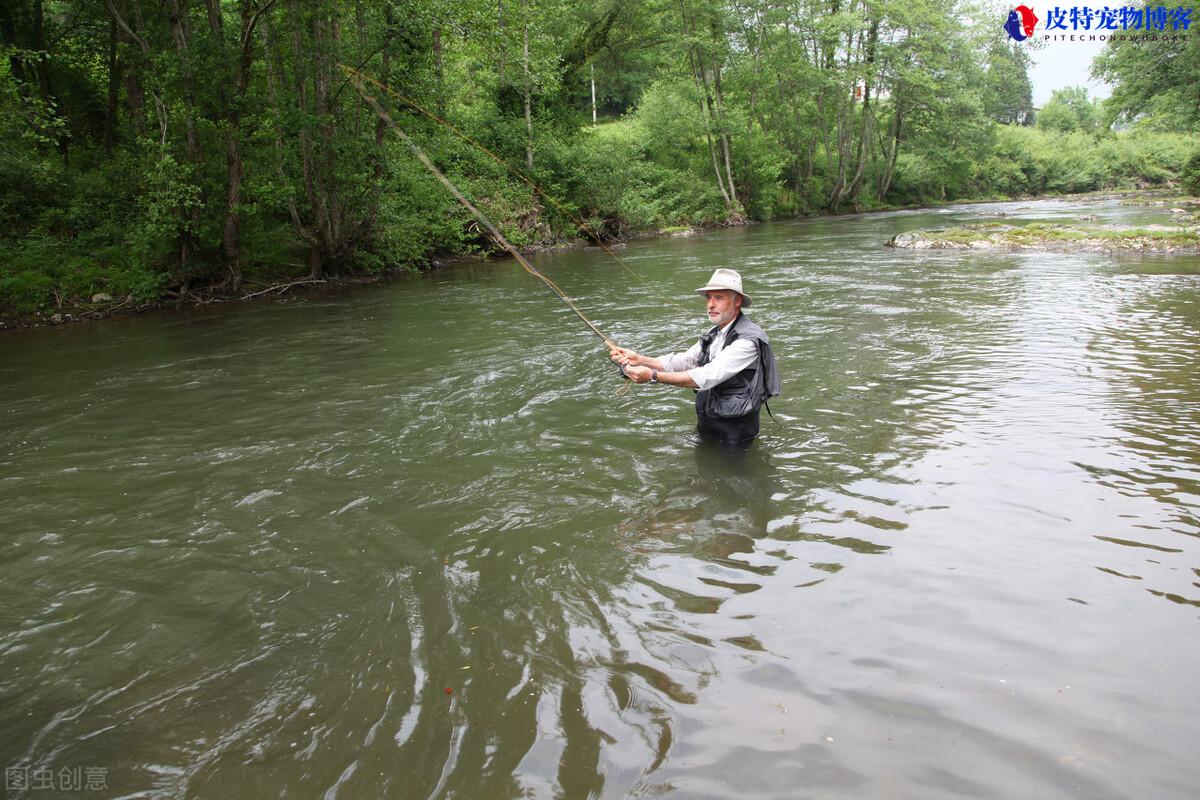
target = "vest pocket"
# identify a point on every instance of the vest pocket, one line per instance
(732, 404)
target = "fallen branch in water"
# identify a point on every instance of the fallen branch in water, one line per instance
(281, 287)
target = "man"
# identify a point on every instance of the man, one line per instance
(732, 365)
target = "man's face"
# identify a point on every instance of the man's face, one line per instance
(723, 306)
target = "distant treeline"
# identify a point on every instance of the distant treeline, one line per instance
(156, 149)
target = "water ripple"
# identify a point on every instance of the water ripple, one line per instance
(412, 541)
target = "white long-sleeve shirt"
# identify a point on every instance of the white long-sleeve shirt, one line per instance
(724, 362)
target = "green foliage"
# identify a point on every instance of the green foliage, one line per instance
(1007, 91)
(916, 180)
(40, 272)
(620, 189)
(609, 196)
(1027, 161)
(670, 126)
(1191, 174)
(1154, 87)
(177, 157)
(1069, 110)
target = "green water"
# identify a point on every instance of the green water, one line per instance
(409, 541)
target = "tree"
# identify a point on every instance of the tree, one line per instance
(1069, 110)
(1155, 86)
(1007, 91)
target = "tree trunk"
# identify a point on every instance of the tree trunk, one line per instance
(501, 49)
(713, 119)
(528, 92)
(717, 102)
(325, 35)
(181, 33)
(723, 133)
(42, 68)
(133, 83)
(229, 109)
(712, 148)
(885, 181)
(135, 101)
(439, 71)
(114, 89)
(277, 126)
(317, 232)
(695, 60)
(864, 131)
(840, 190)
(378, 170)
(42, 71)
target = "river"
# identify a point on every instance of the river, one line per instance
(412, 541)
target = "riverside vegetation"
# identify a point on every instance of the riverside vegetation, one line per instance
(183, 151)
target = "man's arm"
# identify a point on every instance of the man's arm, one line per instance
(682, 369)
(645, 374)
(674, 363)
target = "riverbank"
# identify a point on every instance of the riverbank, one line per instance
(69, 310)
(988, 235)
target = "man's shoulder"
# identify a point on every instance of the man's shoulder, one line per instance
(748, 327)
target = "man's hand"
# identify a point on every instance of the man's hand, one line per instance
(638, 374)
(627, 358)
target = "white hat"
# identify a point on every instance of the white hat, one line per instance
(726, 279)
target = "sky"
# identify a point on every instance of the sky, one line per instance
(1059, 64)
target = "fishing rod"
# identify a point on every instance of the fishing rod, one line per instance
(356, 78)
(359, 78)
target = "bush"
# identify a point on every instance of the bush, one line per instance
(914, 181)
(1191, 174)
(670, 128)
(759, 162)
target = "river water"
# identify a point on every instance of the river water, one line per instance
(410, 541)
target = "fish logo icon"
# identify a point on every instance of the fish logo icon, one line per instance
(1020, 24)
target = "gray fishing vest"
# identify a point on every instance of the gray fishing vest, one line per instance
(745, 392)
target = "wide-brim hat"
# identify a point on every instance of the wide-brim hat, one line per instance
(728, 279)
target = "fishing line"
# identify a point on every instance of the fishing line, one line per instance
(479, 215)
(356, 77)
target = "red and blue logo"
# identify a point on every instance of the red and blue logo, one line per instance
(1020, 24)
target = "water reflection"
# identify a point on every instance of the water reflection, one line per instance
(1145, 351)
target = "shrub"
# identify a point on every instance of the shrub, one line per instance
(1191, 174)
